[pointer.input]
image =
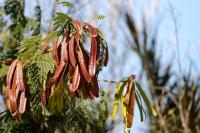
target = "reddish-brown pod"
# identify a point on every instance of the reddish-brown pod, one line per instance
(20, 80)
(22, 103)
(55, 52)
(95, 87)
(78, 26)
(82, 60)
(58, 72)
(92, 30)
(10, 76)
(72, 57)
(93, 58)
(64, 53)
(76, 80)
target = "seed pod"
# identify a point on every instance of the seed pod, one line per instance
(20, 80)
(22, 104)
(55, 52)
(77, 25)
(82, 61)
(93, 58)
(76, 80)
(93, 31)
(64, 53)
(10, 76)
(95, 87)
(71, 52)
(57, 73)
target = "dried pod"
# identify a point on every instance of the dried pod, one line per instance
(78, 26)
(55, 52)
(93, 31)
(71, 52)
(57, 73)
(64, 53)
(76, 80)
(10, 76)
(22, 103)
(95, 87)
(82, 60)
(93, 58)
(20, 80)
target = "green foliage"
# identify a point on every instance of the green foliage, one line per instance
(3, 70)
(67, 4)
(37, 71)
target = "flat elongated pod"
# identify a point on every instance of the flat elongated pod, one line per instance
(64, 53)
(10, 76)
(72, 52)
(76, 80)
(57, 73)
(20, 80)
(55, 52)
(92, 30)
(130, 113)
(106, 56)
(93, 58)
(13, 102)
(82, 60)
(95, 87)
(22, 103)
(78, 26)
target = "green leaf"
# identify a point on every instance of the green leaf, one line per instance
(50, 36)
(101, 17)
(146, 100)
(139, 106)
(116, 101)
(68, 4)
(3, 70)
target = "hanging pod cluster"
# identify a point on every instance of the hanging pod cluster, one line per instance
(80, 65)
(74, 65)
(15, 89)
(133, 91)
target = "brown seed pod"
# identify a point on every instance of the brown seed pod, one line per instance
(64, 53)
(82, 60)
(20, 80)
(93, 31)
(55, 52)
(22, 103)
(93, 58)
(57, 73)
(76, 80)
(95, 87)
(10, 77)
(78, 26)
(71, 52)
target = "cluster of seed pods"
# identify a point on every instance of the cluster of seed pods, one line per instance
(15, 89)
(81, 65)
(72, 60)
